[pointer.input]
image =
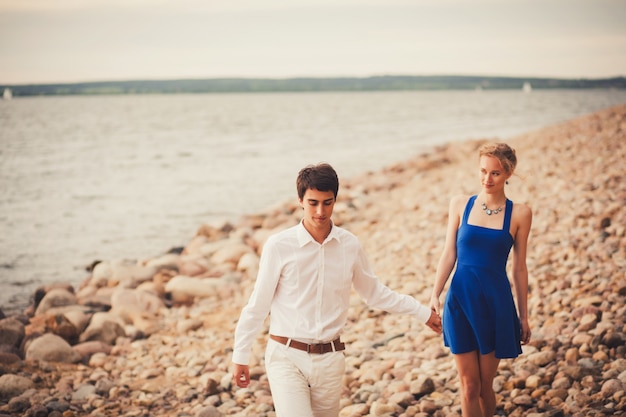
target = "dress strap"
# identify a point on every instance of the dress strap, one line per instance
(468, 208)
(507, 215)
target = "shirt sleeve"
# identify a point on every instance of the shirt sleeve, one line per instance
(255, 312)
(377, 295)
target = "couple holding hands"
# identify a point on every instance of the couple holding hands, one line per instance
(306, 274)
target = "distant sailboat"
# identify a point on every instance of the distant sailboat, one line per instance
(7, 94)
(527, 88)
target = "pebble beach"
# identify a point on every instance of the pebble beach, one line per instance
(154, 336)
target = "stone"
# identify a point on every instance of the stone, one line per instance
(7, 358)
(422, 386)
(52, 348)
(17, 405)
(13, 385)
(185, 326)
(11, 332)
(56, 297)
(183, 289)
(87, 349)
(533, 381)
(613, 339)
(61, 326)
(136, 307)
(231, 253)
(611, 387)
(209, 411)
(101, 274)
(104, 327)
(83, 392)
(354, 410)
(542, 358)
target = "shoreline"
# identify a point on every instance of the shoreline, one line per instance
(109, 220)
(173, 315)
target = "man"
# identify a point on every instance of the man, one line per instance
(305, 278)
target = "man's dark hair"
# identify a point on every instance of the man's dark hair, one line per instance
(321, 177)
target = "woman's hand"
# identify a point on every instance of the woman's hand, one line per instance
(435, 305)
(525, 331)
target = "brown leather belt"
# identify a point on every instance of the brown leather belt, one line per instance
(319, 348)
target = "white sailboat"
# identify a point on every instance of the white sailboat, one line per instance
(7, 94)
(527, 88)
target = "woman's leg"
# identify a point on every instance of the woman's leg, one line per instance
(468, 366)
(488, 367)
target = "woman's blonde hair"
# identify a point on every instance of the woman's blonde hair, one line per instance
(503, 152)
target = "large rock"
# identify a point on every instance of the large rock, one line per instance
(61, 326)
(96, 297)
(130, 303)
(11, 332)
(104, 327)
(183, 289)
(230, 253)
(56, 297)
(51, 348)
(249, 263)
(87, 349)
(13, 385)
(167, 261)
(122, 272)
(79, 318)
(101, 274)
(132, 274)
(142, 309)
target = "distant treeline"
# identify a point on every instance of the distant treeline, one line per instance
(252, 85)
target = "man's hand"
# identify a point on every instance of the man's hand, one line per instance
(241, 375)
(434, 322)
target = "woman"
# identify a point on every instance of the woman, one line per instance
(480, 321)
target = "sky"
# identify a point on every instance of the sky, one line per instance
(66, 41)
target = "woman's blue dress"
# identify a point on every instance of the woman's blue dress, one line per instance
(479, 312)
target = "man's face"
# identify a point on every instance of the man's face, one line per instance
(318, 209)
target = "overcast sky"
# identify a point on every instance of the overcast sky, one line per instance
(45, 41)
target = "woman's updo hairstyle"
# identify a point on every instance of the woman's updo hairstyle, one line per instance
(503, 152)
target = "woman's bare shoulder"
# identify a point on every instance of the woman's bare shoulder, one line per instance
(458, 203)
(459, 199)
(522, 211)
(522, 208)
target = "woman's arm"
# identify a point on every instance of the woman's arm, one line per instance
(523, 220)
(448, 256)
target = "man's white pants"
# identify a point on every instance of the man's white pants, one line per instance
(303, 384)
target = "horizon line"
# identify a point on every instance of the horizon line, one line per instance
(303, 77)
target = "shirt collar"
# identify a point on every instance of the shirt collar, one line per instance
(305, 237)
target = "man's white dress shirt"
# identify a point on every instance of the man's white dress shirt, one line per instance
(305, 287)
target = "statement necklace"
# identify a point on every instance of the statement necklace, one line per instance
(489, 211)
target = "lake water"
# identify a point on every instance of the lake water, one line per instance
(111, 177)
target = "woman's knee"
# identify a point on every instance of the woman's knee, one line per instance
(471, 388)
(486, 389)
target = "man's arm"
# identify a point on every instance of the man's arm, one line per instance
(254, 313)
(378, 295)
